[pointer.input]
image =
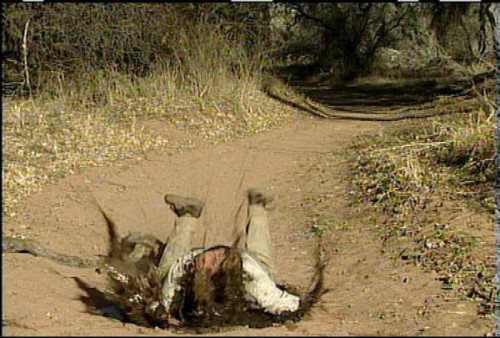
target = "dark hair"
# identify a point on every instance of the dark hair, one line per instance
(215, 299)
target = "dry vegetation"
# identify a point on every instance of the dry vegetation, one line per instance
(45, 139)
(432, 183)
(93, 117)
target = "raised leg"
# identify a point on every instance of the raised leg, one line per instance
(180, 240)
(258, 239)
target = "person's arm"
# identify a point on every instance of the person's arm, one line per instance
(263, 291)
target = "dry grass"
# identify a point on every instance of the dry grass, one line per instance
(210, 88)
(43, 142)
(94, 119)
(416, 174)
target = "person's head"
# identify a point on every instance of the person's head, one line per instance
(217, 279)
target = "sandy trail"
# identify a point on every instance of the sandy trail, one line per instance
(370, 294)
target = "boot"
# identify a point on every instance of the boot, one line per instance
(259, 195)
(181, 205)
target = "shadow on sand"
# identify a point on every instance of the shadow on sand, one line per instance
(367, 101)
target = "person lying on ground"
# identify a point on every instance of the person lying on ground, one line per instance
(219, 282)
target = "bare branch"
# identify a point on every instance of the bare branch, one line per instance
(25, 55)
(311, 17)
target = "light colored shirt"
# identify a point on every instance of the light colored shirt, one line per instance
(260, 288)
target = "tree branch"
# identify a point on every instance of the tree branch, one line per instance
(311, 17)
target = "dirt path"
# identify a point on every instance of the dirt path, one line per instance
(370, 293)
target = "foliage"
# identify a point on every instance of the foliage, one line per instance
(344, 39)
(351, 35)
(63, 40)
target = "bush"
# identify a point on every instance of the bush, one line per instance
(73, 39)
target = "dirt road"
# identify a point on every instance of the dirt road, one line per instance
(369, 292)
